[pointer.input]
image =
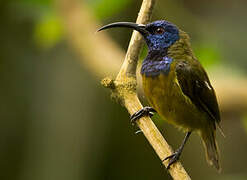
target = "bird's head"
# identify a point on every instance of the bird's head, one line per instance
(159, 35)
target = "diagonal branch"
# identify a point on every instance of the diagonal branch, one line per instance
(124, 89)
(75, 14)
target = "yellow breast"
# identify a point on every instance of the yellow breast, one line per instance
(159, 91)
(166, 97)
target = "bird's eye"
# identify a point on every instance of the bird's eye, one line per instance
(159, 30)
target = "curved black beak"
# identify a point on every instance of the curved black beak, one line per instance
(138, 27)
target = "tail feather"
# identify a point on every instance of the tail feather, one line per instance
(211, 148)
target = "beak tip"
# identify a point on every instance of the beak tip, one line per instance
(102, 28)
(98, 30)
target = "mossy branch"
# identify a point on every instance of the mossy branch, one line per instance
(75, 14)
(124, 90)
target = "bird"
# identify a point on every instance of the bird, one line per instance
(176, 86)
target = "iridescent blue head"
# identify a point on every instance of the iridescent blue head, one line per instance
(162, 35)
(159, 35)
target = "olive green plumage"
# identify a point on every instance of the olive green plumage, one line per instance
(185, 97)
(177, 86)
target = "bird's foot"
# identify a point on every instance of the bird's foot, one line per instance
(146, 111)
(173, 158)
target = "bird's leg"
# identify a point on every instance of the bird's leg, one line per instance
(145, 111)
(175, 156)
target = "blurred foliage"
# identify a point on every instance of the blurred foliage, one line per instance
(144, 52)
(207, 53)
(106, 8)
(233, 177)
(48, 31)
(58, 123)
(38, 2)
(244, 121)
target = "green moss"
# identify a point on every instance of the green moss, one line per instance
(108, 83)
(120, 88)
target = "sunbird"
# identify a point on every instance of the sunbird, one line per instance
(176, 86)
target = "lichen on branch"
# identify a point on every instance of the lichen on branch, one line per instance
(124, 90)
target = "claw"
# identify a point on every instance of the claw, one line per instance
(173, 158)
(138, 131)
(146, 111)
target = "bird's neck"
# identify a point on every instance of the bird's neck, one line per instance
(155, 63)
(156, 55)
(159, 61)
(181, 49)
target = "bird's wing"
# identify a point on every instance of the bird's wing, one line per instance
(195, 84)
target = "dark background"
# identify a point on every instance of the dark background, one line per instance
(56, 120)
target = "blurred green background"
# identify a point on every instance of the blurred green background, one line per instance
(58, 122)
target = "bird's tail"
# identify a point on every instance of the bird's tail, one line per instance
(211, 148)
